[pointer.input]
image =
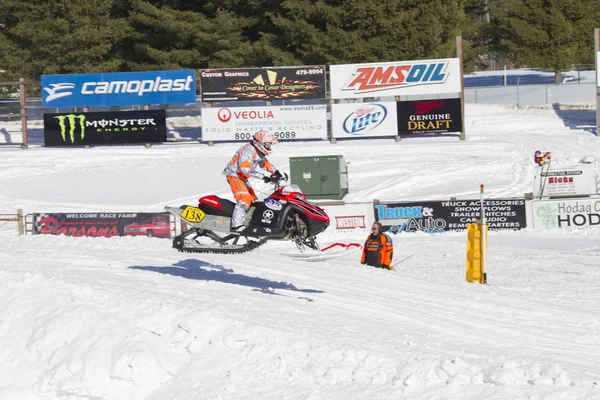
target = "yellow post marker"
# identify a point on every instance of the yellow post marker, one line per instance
(475, 254)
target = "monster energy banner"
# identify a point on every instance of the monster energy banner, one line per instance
(105, 128)
(263, 83)
(455, 215)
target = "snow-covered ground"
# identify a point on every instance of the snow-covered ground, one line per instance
(131, 318)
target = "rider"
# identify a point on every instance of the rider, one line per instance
(243, 166)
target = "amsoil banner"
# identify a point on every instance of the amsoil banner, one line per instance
(568, 213)
(443, 216)
(286, 122)
(395, 78)
(429, 116)
(364, 119)
(111, 127)
(103, 224)
(306, 82)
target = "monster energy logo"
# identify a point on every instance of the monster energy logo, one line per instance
(72, 120)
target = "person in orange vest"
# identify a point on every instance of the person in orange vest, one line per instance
(378, 250)
(243, 166)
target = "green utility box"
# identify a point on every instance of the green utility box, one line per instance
(321, 177)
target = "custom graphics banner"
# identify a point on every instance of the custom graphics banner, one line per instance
(429, 116)
(110, 127)
(306, 82)
(395, 78)
(119, 89)
(567, 213)
(442, 216)
(286, 122)
(103, 224)
(364, 119)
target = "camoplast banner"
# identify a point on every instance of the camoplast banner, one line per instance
(567, 213)
(443, 216)
(306, 82)
(103, 224)
(364, 119)
(395, 78)
(119, 89)
(286, 122)
(112, 127)
(429, 116)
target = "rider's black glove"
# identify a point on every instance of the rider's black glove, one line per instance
(267, 179)
(276, 176)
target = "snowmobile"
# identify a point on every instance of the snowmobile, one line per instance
(284, 215)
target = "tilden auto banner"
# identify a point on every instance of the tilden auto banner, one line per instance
(103, 224)
(286, 122)
(105, 127)
(442, 216)
(306, 82)
(364, 119)
(119, 89)
(395, 78)
(429, 116)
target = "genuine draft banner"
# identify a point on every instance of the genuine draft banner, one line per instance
(429, 116)
(241, 123)
(306, 82)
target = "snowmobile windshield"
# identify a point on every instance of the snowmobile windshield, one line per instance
(293, 188)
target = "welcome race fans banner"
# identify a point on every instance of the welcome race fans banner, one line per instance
(429, 116)
(105, 127)
(364, 119)
(103, 224)
(443, 216)
(286, 122)
(395, 78)
(119, 89)
(306, 82)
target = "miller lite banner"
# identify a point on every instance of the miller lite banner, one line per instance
(429, 116)
(364, 119)
(285, 122)
(263, 83)
(395, 78)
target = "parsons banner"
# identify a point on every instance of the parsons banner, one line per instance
(429, 116)
(443, 216)
(286, 122)
(110, 127)
(119, 89)
(103, 224)
(364, 119)
(306, 82)
(398, 78)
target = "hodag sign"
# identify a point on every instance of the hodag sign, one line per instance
(548, 214)
(105, 128)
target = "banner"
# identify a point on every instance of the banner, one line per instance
(429, 116)
(555, 180)
(111, 127)
(103, 224)
(598, 69)
(567, 213)
(286, 122)
(443, 216)
(398, 78)
(119, 89)
(364, 119)
(306, 82)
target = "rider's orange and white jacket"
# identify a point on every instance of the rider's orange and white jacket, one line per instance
(244, 162)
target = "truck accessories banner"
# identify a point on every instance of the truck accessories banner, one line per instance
(119, 89)
(364, 119)
(286, 122)
(113, 127)
(395, 78)
(103, 224)
(443, 216)
(429, 116)
(263, 83)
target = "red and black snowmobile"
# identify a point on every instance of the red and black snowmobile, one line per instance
(284, 215)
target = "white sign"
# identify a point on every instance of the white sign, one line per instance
(350, 216)
(395, 78)
(364, 119)
(567, 213)
(598, 69)
(285, 122)
(565, 180)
